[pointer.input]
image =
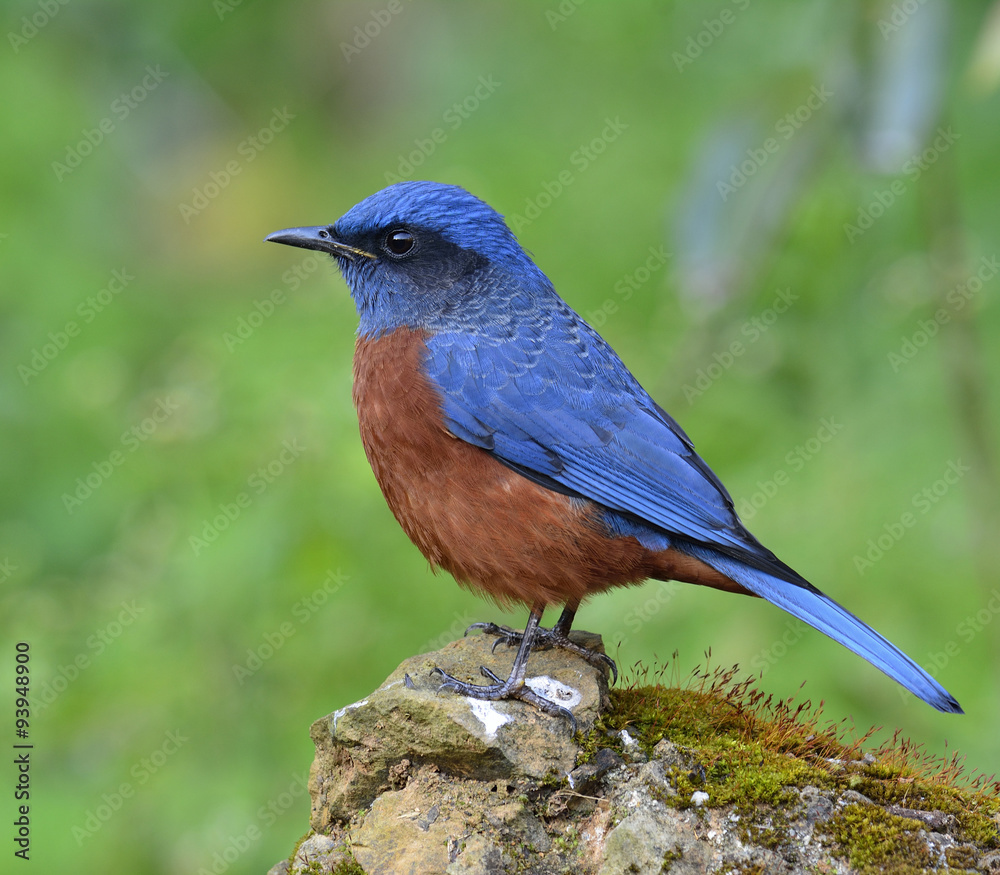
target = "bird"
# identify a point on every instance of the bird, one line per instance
(519, 453)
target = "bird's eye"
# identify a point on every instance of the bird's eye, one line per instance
(399, 242)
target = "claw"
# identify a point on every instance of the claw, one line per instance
(514, 687)
(547, 638)
(500, 689)
(450, 683)
(486, 673)
(610, 664)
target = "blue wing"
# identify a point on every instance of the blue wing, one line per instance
(548, 397)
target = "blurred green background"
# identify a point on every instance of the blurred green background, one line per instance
(783, 215)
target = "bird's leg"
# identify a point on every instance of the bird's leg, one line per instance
(514, 687)
(557, 636)
(561, 628)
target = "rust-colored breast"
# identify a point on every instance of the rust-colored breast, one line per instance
(490, 527)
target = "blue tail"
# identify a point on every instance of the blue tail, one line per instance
(804, 601)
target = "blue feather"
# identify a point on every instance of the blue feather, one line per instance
(823, 613)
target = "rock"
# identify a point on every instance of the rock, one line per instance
(853, 797)
(316, 852)
(416, 781)
(361, 749)
(584, 778)
(818, 806)
(409, 830)
(646, 841)
(936, 820)
(671, 754)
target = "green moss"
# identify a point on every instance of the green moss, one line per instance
(767, 831)
(974, 812)
(962, 857)
(734, 761)
(671, 857)
(552, 781)
(349, 866)
(568, 843)
(752, 752)
(875, 841)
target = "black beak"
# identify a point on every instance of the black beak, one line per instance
(318, 237)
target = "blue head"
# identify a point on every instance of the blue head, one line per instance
(425, 255)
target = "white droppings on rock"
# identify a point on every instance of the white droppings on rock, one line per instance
(555, 691)
(627, 739)
(488, 714)
(340, 712)
(699, 797)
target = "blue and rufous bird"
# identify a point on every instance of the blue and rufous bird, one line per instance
(516, 449)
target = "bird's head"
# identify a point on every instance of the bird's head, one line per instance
(421, 255)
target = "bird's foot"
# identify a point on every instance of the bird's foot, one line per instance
(512, 688)
(547, 638)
